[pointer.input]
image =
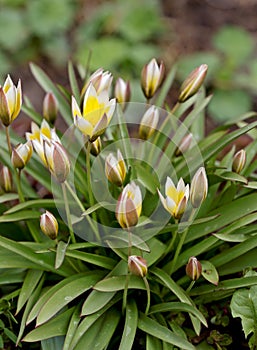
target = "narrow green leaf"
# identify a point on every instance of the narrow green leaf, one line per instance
(35, 203)
(74, 321)
(153, 343)
(165, 88)
(130, 327)
(98, 260)
(102, 330)
(73, 81)
(36, 117)
(96, 301)
(97, 206)
(116, 283)
(54, 343)
(22, 215)
(30, 283)
(153, 328)
(60, 253)
(55, 327)
(174, 307)
(67, 293)
(6, 197)
(230, 176)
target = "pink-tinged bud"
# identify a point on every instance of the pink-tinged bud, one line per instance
(57, 160)
(100, 79)
(199, 188)
(49, 225)
(50, 107)
(115, 168)
(137, 265)
(96, 147)
(239, 161)
(151, 77)
(129, 206)
(6, 179)
(193, 268)
(21, 154)
(184, 145)
(149, 123)
(10, 101)
(193, 83)
(122, 92)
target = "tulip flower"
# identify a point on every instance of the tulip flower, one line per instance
(151, 77)
(50, 107)
(115, 168)
(122, 92)
(57, 160)
(239, 160)
(101, 80)
(176, 198)
(137, 265)
(193, 268)
(129, 206)
(96, 114)
(149, 123)
(199, 188)
(39, 135)
(10, 101)
(49, 225)
(193, 83)
(96, 147)
(21, 154)
(6, 179)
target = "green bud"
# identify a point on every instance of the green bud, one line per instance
(50, 107)
(239, 160)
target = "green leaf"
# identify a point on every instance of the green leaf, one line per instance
(153, 328)
(98, 260)
(165, 88)
(229, 105)
(174, 307)
(96, 301)
(22, 215)
(55, 327)
(229, 175)
(35, 203)
(73, 81)
(209, 272)
(66, 294)
(115, 283)
(153, 343)
(55, 343)
(60, 253)
(30, 283)
(235, 42)
(102, 330)
(74, 321)
(130, 327)
(6, 197)
(244, 305)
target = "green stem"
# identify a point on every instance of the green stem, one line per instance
(180, 244)
(18, 182)
(125, 293)
(90, 193)
(148, 295)
(175, 108)
(190, 286)
(8, 139)
(67, 210)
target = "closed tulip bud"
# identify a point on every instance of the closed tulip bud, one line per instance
(96, 147)
(239, 161)
(137, 265)
(21, 154)
(199, 188)
(184, 145)
(100, 79)
(10, 101)
(193, 268)
(50, 107)
(115, 168)
(57, 160)
(193, 83)
(129, 206)
(122, 92)
(6, 179)
(151, 77)
(49, 225)
(149, 123)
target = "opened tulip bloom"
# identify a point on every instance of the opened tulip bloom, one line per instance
(176, 197)
(129, 206)
(115, 168)
(96, 114)
(10, 101)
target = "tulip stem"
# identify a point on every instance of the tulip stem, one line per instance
(148, 295)
(8, 139)
(190, 286)
(18, 182)
(180, 244)
(125, 293)
(175, 107)
(68, 216)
